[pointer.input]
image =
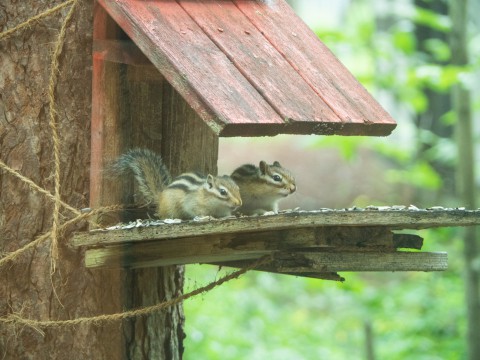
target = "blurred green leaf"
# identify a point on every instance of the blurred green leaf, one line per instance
(404, 41)
(420, 174)
(431, 19)
(439, 49)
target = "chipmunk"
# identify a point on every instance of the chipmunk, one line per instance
(185, 197)
(263, 187)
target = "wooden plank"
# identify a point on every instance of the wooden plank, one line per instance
(150, 255)
(228, 247)
(195, 66)
(264, 67)
(358, 110)
(398, 219)
(306, 262)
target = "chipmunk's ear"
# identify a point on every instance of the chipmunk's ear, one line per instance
(276, 163)
(263, 167)
(210, 181)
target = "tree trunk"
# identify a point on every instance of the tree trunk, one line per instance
(466, 174)
(26, 286)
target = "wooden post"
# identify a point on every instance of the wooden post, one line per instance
(133, 106)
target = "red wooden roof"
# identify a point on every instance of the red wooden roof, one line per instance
(250, 68)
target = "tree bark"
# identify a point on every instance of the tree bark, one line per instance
(26, 286)
(466, 174)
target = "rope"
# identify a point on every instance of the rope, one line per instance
(56, 141)
(13, 255)
(49, 12)
(57, 228)
(35, 187)
(98, 320)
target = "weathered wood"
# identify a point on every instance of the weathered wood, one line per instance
(398, 219)
(361, 261)
(176, 45)
(261, 63)
(236, 65)
(152, 254)
(228, 247)
(320, 69)
(321, 262)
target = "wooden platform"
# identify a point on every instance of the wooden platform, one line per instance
(248, 68)
(315, 243)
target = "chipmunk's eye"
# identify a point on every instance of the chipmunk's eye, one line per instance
(277, 178)
(223, 192)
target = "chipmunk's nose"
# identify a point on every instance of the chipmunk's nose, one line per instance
(238, 202)
(293, 188)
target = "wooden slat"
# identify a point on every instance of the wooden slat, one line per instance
(305, 262)
(193, 64)
(401, 219)
(264, 67)
(318, 67)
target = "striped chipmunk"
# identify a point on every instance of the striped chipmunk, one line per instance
(263, 187)
(185, 197)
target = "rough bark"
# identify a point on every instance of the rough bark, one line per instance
(26, 286)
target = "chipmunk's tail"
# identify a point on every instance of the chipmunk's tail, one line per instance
(148, 169)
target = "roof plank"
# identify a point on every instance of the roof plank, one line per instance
(192, 63)
(249, 68)
(318, 66)
(260, 62)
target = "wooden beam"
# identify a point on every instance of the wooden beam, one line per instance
(398, 219)
(119, 51)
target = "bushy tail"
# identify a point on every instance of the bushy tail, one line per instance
(148, 169)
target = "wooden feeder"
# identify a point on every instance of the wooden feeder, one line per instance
(173, 76)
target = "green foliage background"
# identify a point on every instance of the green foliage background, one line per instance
(413, 315)
(263, 316)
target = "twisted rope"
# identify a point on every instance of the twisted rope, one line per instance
(82, 216)
(35, 187)
(101, 319)
(56, 141)
(27, 23)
